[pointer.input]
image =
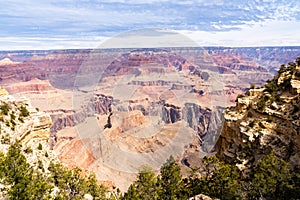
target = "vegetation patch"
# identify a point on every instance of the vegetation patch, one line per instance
(4, 108)
(24, 112)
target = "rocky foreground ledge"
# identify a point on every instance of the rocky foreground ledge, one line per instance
(264, 119)
(19, 121)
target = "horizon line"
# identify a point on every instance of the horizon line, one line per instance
(106, 48)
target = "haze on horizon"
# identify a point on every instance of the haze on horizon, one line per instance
(67, 24)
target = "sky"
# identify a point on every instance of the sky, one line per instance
(69, 24)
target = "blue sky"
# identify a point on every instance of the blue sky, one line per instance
(56, 24)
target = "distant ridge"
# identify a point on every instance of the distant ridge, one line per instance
(7, 61)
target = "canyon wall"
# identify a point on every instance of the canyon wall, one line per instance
(265, 119)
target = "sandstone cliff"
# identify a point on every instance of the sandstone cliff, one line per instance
(19, 121)
(265, 119)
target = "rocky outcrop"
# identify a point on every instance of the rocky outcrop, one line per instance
(171, 113)
(98, 104)
(22, 121)
(266, 119)
(203, 121)
(34, 86)
(19, 121)
(7, 61)
(3, 92)
(202, 197)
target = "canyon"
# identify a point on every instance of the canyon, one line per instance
(114, 110)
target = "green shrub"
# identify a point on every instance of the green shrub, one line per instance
(249, 114)
(252, 86)
(282, 69)
(5, 139)
(40, 147)
(23, 111)
(28, 150)
(298, 61)
(5, 108)
(261, 104)
(292, 67)
(12, 122)
(266, 97)
(270, 118)
(271, 87)
(286, 83)
(252, 123)
(40, 164)
(12, 117)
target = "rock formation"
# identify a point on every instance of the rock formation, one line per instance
(202, 197)
(265, 119)
(19, 121)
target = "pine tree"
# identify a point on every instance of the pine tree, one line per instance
(224, 182)
(70, 183)
(147, 184)
(220, 180)
(24, 182)
(270, 177)
(18, 173)
(131, 193)
(170, 181)
(40, 188)
(145, 187)
(92, 188)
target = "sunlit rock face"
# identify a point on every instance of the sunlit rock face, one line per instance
(19, 121)
(264, 120)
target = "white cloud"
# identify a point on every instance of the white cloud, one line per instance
(52, 24)
(269, 33)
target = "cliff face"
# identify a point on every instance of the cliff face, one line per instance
(267, 118)
(98, 104)
(20, 121)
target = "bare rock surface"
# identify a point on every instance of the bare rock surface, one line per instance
(20, 121)
(266, 119)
